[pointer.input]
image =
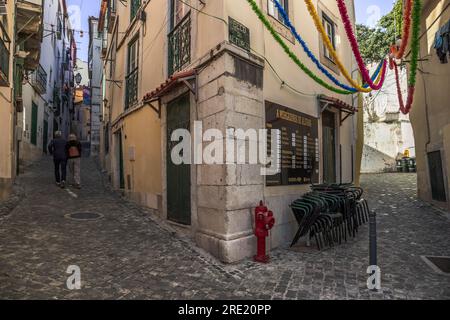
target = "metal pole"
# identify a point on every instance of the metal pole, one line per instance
(373, 238)
(340, 163)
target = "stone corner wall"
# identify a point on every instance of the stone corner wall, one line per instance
(230, 96)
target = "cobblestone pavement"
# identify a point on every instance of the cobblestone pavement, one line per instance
(130, 255)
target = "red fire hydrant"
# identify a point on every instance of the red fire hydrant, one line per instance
(264, 221)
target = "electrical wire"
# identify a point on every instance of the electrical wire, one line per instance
(202, 12)
(147, 50)
(283, 83)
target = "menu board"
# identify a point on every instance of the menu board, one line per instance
(298, 152)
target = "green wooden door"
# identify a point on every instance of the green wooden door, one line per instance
(45, 137)
(329, 147)
(121, 165)
(178, 176)
(34, 118)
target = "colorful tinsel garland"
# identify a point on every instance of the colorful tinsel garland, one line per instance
(318, 23)
(415, 51)
(289, 52)
(396, 52)
(355, 47)
(308, 52)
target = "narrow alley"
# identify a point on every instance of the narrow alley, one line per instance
(129, 254)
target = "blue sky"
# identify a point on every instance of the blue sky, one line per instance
(81, 10)
(367, 12)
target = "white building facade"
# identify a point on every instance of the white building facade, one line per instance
(47, 92)
(387, 132)
(95, 66)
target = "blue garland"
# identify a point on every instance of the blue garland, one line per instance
(311, 55)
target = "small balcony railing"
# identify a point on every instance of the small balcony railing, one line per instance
(39, 80)
(131, 90)
(180, 45)
(4, 58)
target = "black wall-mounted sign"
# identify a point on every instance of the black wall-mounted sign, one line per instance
(299, 145)
(239, 34)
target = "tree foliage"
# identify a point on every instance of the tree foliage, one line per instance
(375, 42)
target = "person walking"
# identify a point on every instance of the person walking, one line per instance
(57, 148)
(73, 149)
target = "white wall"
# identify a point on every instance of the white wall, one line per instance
(95, 61)
(390, 133)
(51, 64)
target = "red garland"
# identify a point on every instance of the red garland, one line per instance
(355, 47)
(398, 53)
(405, 109)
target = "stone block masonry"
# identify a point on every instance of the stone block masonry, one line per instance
(230, 96)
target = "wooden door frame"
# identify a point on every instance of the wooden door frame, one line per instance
(34, 106)
(337, 150)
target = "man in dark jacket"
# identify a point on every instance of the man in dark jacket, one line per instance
(57, 148)
(73, 149)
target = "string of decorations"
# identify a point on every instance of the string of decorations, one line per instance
(415, 51)
(308, 52)
(318, 23)
(289, 52)
(355, 47)
(396, 52)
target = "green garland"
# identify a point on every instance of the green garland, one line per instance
(288, 51)
(415, 44)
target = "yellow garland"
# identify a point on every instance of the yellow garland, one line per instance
(329, 45)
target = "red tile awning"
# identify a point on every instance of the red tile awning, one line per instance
(339, 104)
(172, 82)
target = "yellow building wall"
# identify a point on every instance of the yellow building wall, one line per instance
(142, 127)
(142, 155)
(263, 44)
(7, 115)
(430, 115)
(141, 130)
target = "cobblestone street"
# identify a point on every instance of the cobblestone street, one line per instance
(130, 255)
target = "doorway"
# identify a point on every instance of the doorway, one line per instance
(436, 176)
(34, 121)
(45, 137)
(178, 176)
(329, 146)
(120, 165)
